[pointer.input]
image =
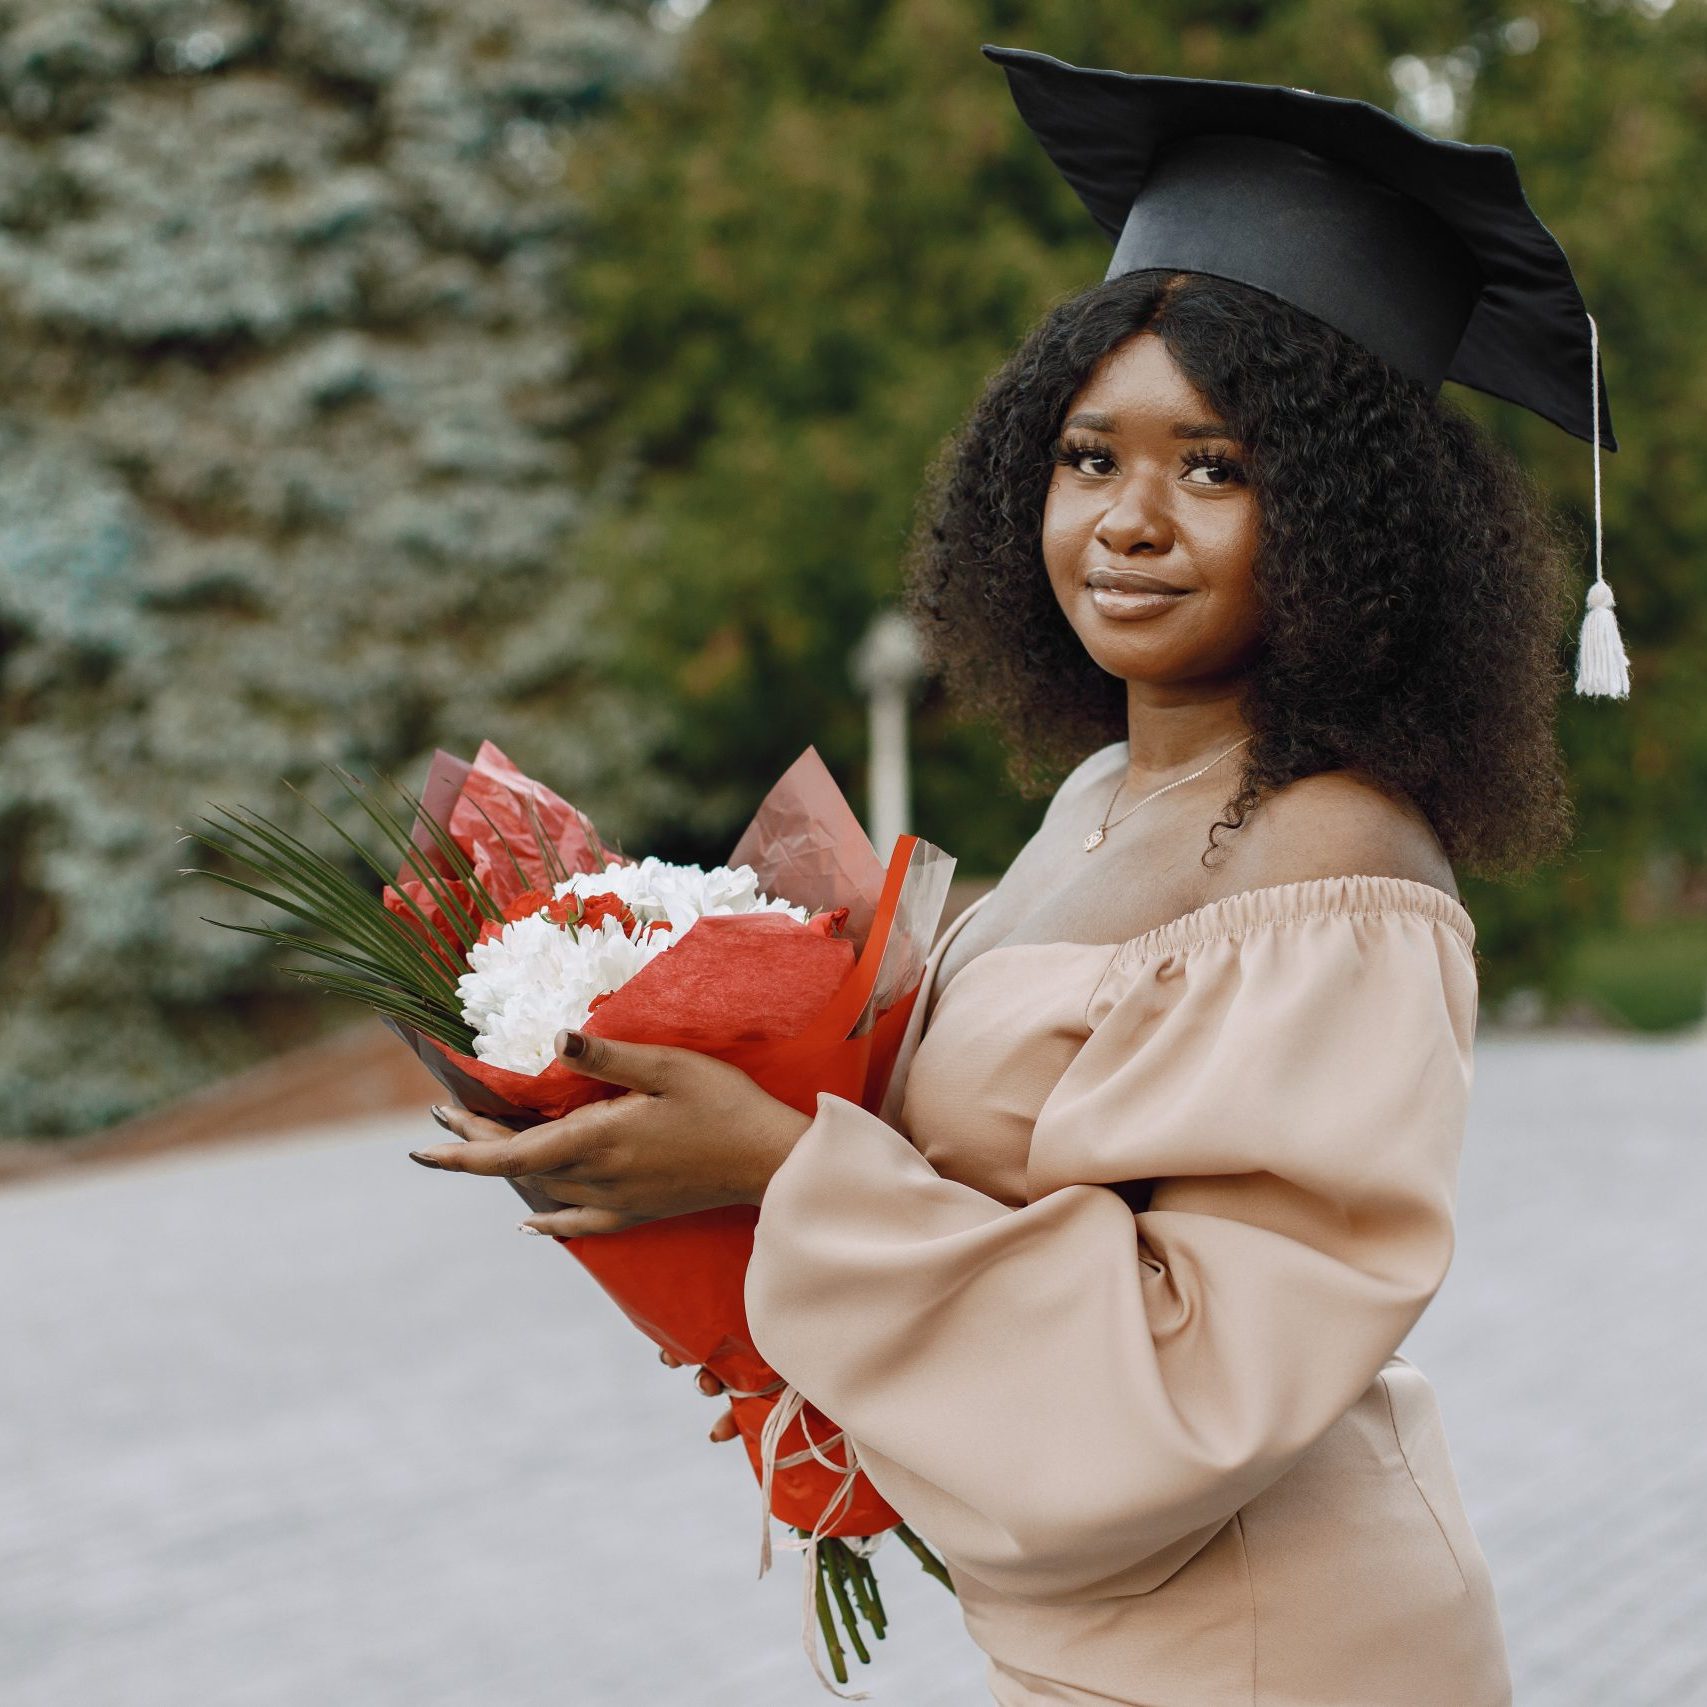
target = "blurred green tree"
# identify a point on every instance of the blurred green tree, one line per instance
(801, 256)
(1605, 107)
(285, 474)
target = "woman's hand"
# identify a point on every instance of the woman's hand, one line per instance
(692, 1133)
(725, 1427)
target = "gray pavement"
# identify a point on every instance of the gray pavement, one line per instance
(1567, 1351)
(266, 1442)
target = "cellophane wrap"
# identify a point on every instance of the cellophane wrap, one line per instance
(800, 1010)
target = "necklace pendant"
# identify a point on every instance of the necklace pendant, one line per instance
(1092, 840)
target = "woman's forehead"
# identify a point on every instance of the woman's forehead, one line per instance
(1139, 387)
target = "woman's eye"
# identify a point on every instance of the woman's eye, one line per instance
(1223, 469)
(1074, 455)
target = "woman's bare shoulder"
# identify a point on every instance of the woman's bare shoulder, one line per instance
(1335, 824)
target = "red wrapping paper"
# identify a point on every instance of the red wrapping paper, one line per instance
(799, 1008)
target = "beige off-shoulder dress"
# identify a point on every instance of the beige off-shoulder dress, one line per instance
(1108, 1300)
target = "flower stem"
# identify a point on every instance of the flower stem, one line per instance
(861, 1579)
(835, 1557)
(838, 1662)
(880, 1618)
(933, 1566)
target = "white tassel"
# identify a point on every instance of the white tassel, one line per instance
(1602, 666)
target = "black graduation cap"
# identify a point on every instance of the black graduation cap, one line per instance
(1423, 250)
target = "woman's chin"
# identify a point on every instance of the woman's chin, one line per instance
(1162, 650)
(1133, 656)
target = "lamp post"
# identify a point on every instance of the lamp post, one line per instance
(886, 664)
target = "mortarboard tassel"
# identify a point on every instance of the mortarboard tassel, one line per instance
(1602, 667)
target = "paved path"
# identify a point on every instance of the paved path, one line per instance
(264, 1441)
(1568, 1352)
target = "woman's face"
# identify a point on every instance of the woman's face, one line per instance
(1149, 490)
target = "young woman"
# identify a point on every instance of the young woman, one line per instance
(1108, 1294)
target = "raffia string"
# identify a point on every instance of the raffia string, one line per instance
(1602, 666)
(789, 1406)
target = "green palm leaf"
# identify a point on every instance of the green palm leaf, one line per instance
(322, 895)
(405, 970)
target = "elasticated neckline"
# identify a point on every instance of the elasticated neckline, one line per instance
(1310, 897)
(1275, 903)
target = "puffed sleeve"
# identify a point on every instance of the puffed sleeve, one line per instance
(1070, 1398)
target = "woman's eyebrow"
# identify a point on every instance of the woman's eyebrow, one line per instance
(1096, 422)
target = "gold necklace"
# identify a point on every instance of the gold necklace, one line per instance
(1101, 831)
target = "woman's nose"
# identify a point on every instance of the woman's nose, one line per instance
(1136, 520)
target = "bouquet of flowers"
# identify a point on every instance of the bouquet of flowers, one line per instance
(508, 919)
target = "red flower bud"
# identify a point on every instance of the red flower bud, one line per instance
(595, 909)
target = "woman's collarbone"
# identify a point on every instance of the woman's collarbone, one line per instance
(1062, 897)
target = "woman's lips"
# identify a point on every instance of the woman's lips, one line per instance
(1126, 604)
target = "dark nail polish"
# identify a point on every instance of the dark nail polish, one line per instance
(425, 1161)
(570, 1043)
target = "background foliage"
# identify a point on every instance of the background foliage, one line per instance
(383, 374)
(285, 473)
(864, 228)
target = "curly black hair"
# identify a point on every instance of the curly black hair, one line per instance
(1412, 579)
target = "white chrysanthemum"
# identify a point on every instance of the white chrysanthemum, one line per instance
(526, 984)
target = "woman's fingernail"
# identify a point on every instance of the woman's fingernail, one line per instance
(425, 1161)
(441, 1117)
(527, 1229)
(570, 1043)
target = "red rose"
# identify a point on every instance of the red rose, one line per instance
(595, 909)
(522, 906)
(529, 902)
(830, 923)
